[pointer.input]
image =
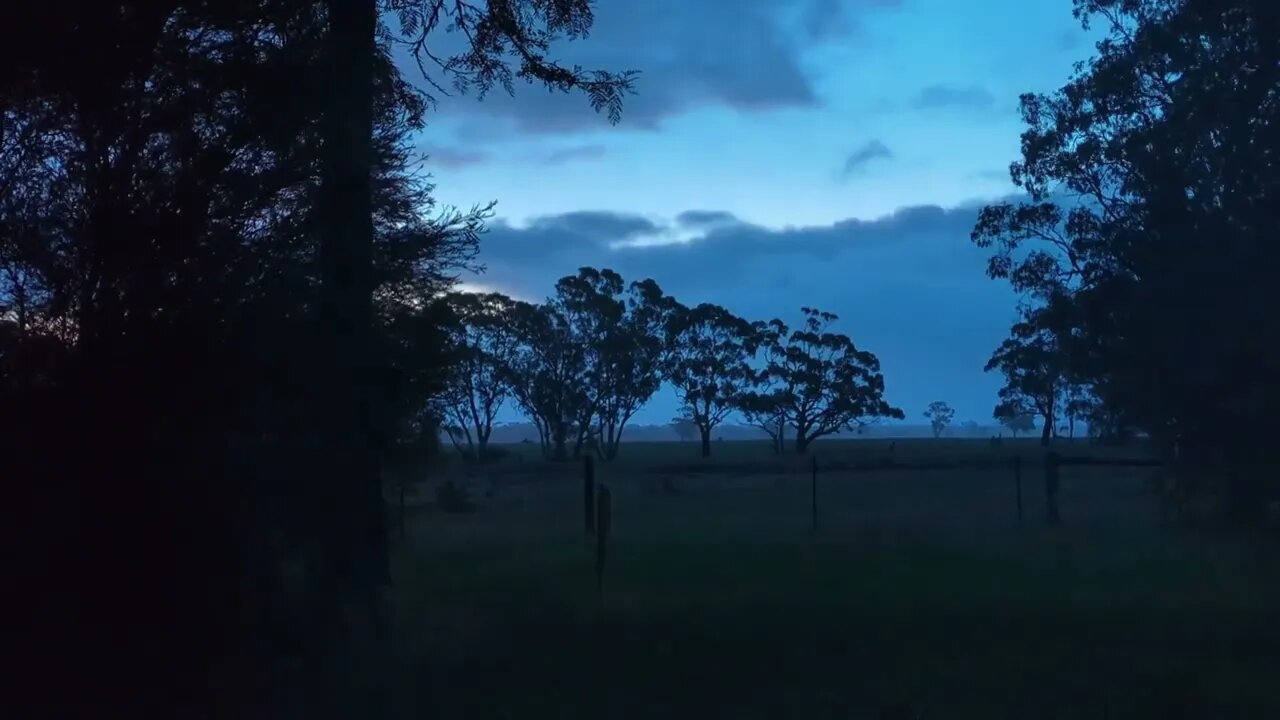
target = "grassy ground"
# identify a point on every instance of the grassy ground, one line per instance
(920, 594)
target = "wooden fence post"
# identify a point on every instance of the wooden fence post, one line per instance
(1051, 487)
(813, 491)
(1017, 482)
(589, 493)
(604, 524)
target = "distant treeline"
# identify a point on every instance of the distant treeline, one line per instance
(526, 432)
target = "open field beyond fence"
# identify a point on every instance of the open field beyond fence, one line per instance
(920, 593)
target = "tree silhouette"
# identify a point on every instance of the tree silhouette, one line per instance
(816, 381)
(480, 376)
(1150, 212)
(620, 332)
(684, 427)
(708, 364)
(214, 256)
(549, 376)
(1015, 417)
(1035, 371)
(939, 415)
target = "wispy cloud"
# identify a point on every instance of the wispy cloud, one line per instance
(448, 157)
(573, 153)
(951, 96)
(751, 62)
(992, 175)
(861, 157)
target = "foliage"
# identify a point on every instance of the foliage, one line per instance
(212, 247)
(764, 404)
(939, 414)
(620, 330)
(480, 375)
(1152, 189)
(500, 32)
(708, 364)
(548, 372)
(684, 427)
(1015, 417)
(816, 381)
(1034, 368)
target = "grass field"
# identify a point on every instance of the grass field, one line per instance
(920, 594)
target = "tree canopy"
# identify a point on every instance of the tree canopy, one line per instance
(1152, 183)
(814, 381)
(709, 364)
(939, 414)
(217, 264)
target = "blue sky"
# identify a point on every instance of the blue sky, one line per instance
(844, 146)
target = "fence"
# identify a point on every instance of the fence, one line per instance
(1051, 462)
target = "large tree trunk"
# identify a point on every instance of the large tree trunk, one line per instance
(1047, 432)
(802, 442)
(357, 554)
(705, 432)
(560, 442)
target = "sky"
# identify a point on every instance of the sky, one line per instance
(776, 154)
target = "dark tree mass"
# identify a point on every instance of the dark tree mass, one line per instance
(1147, 245)
(581, 364)
(218, 266)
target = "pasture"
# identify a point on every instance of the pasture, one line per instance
(920, 593)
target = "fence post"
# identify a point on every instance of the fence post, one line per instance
(1051, 487)
(589, 493)
(1017, 482)
(813, 491)
(603, 525)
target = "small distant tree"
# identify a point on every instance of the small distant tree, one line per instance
(1015, 417)
(939, 414)
(971, 428)
(684, 427)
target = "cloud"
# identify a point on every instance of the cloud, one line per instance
(745, 55)
(547, 241)
(949, 96)
(858, 159)
(706, 218)
(909, 286)
(574, 153)
(919, 244)
(453, 157)
(991, 175)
